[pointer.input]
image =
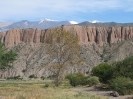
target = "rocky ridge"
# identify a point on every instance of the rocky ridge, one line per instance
(98, 44)
(87, 34)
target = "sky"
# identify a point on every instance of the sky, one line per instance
(67, 10)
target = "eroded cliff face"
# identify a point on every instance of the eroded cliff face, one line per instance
(86, 34)
(98, 44)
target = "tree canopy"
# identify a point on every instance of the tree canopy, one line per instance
(6, 57)
(63, 50)
(107, 71)
(104, 71)
(124, 68)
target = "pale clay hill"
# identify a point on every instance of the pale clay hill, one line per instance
(98, 44)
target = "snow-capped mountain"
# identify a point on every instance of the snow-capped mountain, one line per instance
(95, 21)
(73, 22)
(48, 23)
(46, 20)
(41, 24)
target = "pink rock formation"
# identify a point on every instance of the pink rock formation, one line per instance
(87, 34)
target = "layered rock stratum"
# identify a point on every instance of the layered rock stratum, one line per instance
(98, 44)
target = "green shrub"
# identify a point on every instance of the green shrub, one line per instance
(93, 80)
(32, 76)
(105, 60)
(104, 71)
(51, 77)
(122, 85)
(42, 77)
(46, 85)
(15, 78)
(124, 68)
(24, 70)
(77, 79)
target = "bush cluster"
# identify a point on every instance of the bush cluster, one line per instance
(14, 78)
(46, 85)
(123, 85)
(77, 79)
(80, 79)
(124, 68)
(32, 76)
(42, 77)
(93, 80)
(104, 71)
(118, 75)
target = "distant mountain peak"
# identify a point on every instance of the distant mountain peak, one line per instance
(73, 22)
(95, 21)
(42, 24)
(46, 20)
(24, 21)
(4, 24)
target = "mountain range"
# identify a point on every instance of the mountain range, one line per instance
(97, 23)
(100, 42)
(48, 23)
(42, 24)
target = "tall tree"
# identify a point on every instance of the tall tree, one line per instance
(63, 50)
(7, 57)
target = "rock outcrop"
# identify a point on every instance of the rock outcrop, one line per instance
(87, 34)
(98, 44)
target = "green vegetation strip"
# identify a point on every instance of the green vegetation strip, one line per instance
(38, 90)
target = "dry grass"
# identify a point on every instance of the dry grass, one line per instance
(36, 90)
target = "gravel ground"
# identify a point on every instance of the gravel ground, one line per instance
(101, 93)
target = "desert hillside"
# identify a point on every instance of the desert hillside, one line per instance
(98, 44)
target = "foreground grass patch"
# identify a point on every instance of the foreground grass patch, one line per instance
(37, 90)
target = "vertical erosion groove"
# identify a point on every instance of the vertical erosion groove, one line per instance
(109, 35)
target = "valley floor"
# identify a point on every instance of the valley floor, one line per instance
(44, 89)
